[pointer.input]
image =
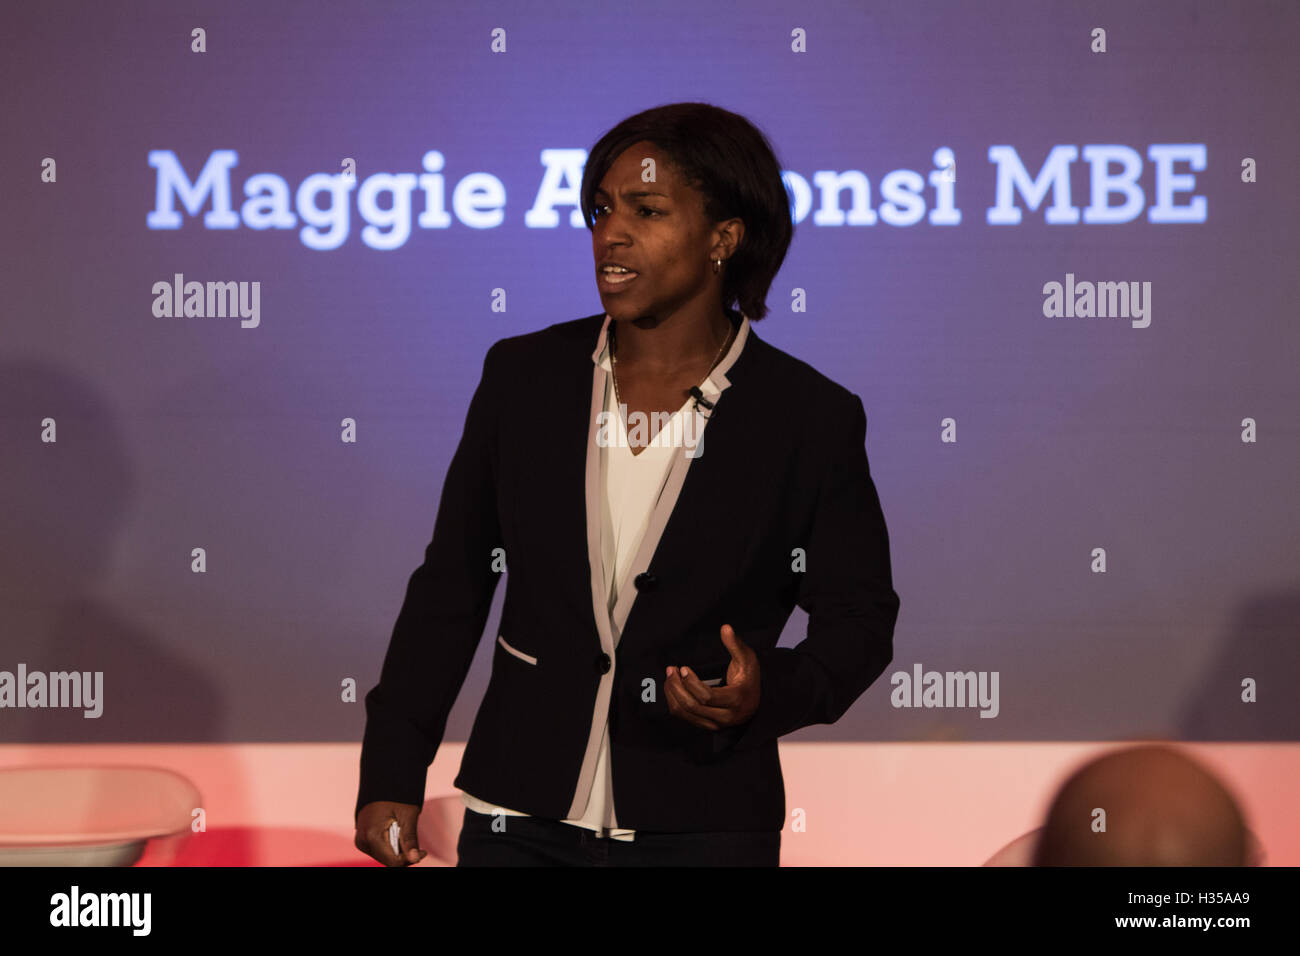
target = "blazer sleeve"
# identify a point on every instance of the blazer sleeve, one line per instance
(847, 591)
(442, 617)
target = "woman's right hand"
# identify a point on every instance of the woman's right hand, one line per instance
(373, 823)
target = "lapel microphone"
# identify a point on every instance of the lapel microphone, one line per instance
(699, 398)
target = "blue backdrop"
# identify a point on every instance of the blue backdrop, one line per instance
(1100, 509)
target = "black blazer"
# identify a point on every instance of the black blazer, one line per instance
(782, 467)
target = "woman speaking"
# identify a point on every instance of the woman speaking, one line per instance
(661, 487)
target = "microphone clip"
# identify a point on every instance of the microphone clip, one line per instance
(701, 400)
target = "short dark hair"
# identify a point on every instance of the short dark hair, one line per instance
(727, 159)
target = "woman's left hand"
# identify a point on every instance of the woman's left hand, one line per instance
(715, 707)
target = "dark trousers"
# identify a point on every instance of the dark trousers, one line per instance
(532, 841)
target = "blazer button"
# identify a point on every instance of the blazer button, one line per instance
(645, 581)
(602, 663)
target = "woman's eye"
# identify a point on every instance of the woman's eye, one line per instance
(598, 211)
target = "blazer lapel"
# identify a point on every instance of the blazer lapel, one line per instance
(594, 494)
(610, 626)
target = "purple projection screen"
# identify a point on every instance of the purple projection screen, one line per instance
(1052, 247)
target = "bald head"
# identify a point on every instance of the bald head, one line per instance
(1159, 808)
